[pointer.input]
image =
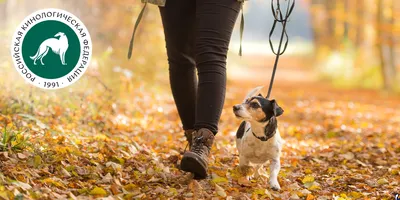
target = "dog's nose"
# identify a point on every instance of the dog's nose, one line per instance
(236, 107)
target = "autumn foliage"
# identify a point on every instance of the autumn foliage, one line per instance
(116, 134)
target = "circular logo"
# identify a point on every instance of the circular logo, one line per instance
(51, 48)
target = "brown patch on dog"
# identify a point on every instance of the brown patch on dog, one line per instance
(256, 114)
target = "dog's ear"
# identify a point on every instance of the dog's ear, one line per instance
(260, 95)
(59, 34)
(278, 111)
(253, 92)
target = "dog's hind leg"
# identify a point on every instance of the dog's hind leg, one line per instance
(274, 168)
(62, 58)
(43, 55)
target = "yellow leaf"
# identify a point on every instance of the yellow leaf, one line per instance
(308, 179)
(382, 181)
(356, 194)
(267, 194)
(331, 170)
(37, 160)
(308, 171)
(259, 191)
(97, 191)
(263, 192)
(53, 182)
(120, 161)
(4, 195)
(130, 187)
(172, 192)
(220, 180)
(314, 187)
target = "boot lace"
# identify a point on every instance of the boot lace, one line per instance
(198, 145)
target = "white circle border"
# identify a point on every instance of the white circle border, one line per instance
(62, 81)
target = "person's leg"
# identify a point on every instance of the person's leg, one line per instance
(178, 19)
(215, 20)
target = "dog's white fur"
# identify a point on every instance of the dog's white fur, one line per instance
(254, 152)
(58, 46)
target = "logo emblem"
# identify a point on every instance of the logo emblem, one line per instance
(51, 48)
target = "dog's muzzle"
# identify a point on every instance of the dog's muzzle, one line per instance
(236, 108)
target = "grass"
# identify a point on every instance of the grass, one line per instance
(12, 140)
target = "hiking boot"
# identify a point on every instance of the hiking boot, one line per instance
(188, 134)
(196, 159)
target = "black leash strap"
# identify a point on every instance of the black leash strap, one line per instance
(279, 18)
(134, 30)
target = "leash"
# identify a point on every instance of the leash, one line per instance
(134, 30)
(283, 19)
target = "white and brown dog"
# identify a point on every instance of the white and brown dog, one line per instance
(258, 139)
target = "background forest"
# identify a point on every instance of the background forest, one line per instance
(115, 134)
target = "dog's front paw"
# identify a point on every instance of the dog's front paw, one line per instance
(250, 177)
(245, 170)
(274, 185)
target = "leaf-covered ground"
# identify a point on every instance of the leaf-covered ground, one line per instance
(94, 143)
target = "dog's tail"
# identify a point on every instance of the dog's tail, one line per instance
(35, 56)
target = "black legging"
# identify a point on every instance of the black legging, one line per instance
(197, 34)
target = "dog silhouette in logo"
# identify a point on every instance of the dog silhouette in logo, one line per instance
(58, 46)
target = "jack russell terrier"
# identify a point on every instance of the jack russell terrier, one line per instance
(257, 138)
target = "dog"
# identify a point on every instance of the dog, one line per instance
(258, 139)
(58, 46)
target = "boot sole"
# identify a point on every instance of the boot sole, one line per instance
(191, 163)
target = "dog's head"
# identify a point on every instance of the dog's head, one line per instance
(59, 34)
(257, 108)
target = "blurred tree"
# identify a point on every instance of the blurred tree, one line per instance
(365, 30)
(3, 16)
(392, 42)
(385, 46)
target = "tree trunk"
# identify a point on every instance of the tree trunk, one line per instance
(392, 44)
(330, 7)
(3, 15)
(381, 47)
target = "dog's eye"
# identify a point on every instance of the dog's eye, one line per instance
(254, 105)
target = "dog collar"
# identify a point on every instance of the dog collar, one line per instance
(271, 125)
(263, 138)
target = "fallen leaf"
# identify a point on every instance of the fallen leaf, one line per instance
(348, 156)
(220, 191)
(21, 156)
(308, 179)
(382, 181)
(98, 191)
(114, 189)
(37, 161)
(22, 185)
(65, 172)
(244, 181)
